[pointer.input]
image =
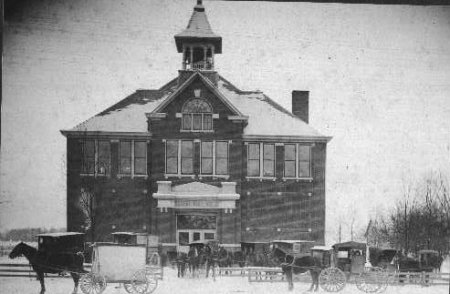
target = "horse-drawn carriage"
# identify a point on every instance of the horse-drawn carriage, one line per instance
(370, 267)
(253, 254)
(331, 268)
(56, 253)
(118, 263)
(153, 259)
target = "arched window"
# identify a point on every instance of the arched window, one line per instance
(196, 115)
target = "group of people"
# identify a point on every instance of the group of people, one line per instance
(197, 256)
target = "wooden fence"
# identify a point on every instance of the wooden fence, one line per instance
(24, 270)
(273, 275)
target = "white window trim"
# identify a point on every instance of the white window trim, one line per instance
(191, 130)
(261, 163)
(178, 174)
(297, 162)
(96, 157)
(214, 159)
(132, 174)
(200, 175)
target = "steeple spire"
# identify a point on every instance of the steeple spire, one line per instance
(198, 42)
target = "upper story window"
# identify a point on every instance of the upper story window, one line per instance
(180, 159)
(253, 163)
(214, 158)
(133, 158)
(140, 158)
(261, 166)
(187, 157)
(261, 161)
(172, 157)
(96, 157)
(304, 159)
(88, 161)
(269, 160)
(125, 157)
(197, 116)
(297, 161)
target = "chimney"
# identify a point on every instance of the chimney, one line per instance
(300, 105)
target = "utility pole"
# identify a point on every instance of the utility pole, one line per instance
(340, 233)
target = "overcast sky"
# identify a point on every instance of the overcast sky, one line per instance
(378, 76)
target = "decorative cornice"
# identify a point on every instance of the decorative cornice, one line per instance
(275, 138)
(110, 135)
(156, 115)
(238, 118)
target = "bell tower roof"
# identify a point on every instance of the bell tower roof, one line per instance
(198, 31)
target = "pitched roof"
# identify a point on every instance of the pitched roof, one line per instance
(266, 118)
(199, 29)
(128, 115)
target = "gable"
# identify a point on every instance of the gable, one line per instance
(207, 91)
(197, 91)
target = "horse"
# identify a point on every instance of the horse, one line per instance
(297, 265)
(239, 258)
(224, 259)
(193, 260)
(181, 260)
(43, 262)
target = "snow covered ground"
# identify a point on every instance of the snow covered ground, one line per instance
(222, 285)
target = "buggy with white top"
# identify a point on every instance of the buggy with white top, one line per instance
(118, 263)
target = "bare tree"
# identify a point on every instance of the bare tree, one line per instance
(87, 205)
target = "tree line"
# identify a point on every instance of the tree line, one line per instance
(419, 220)
(26, 234)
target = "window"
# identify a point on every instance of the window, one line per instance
(96, 157)
(289, 161)
(207, 158)
(172, 157)
(253, 160)
(140, 158)
(213, 158)
(133, 158)
(304, 157)
(269, 160)
(125, 157)
(196, 116)
(187, 157)
(221, 158)
(297, 161)
(88, 163)
(104, 158)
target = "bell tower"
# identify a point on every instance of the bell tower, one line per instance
(198, 45)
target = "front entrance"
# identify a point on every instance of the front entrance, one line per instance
(192, 228)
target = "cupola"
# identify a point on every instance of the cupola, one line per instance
(198, 43)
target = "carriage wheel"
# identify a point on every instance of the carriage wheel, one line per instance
(128, 287)
(152, 283)
(92, 283)
(372, 280)
(139, 282)
(332, 279)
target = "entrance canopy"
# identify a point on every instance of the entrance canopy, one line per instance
(196, 195)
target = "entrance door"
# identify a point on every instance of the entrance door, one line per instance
(188, 236)
(191, 228)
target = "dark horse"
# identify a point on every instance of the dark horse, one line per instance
(182, 260)
(300, 265)
(193, 258)
(43, 262)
